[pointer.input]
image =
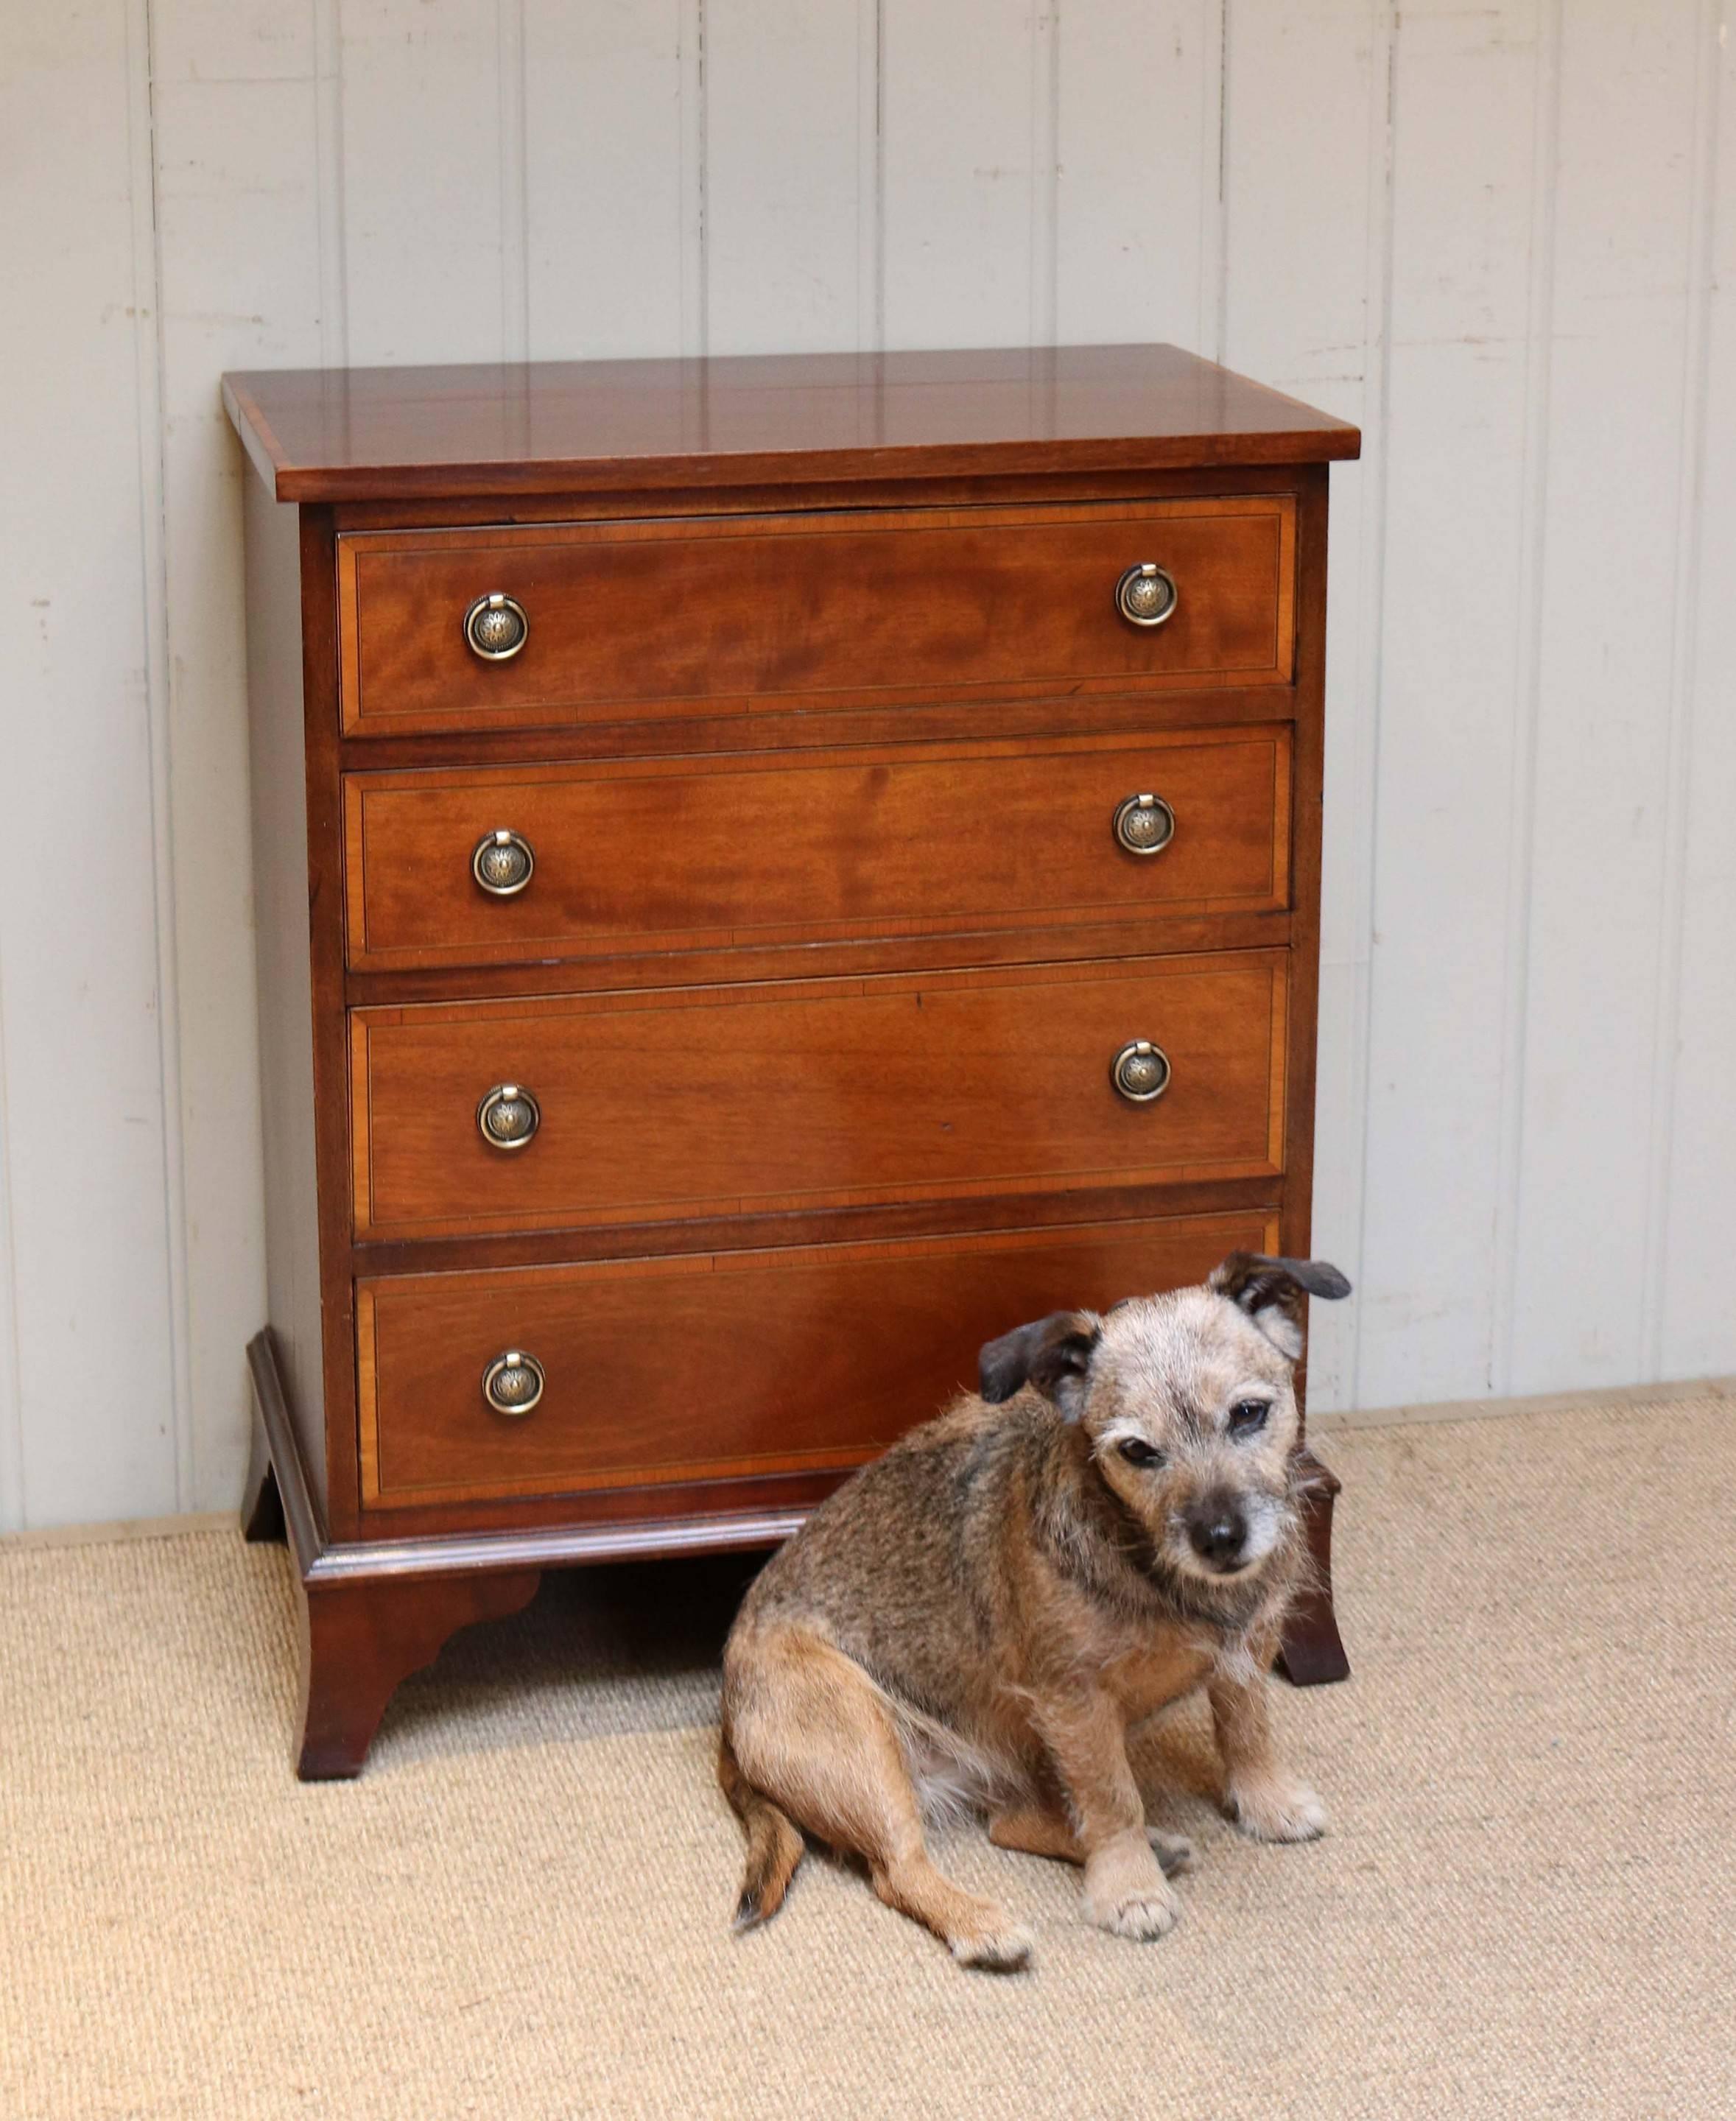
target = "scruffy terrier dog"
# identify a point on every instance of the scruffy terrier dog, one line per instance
(982, 1615)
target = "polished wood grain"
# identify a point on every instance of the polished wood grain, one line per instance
(283, 943)
(642, 618)
(361, 1640)
(683, 1369)
(889, 841)
(1307, 787)
(324, 888)
(629, 502)
(563, 426)
(1082, 709)
(444, 1539)
(1111, 1199)
(1313, 1652)
(808, 1094)
(1121, 932)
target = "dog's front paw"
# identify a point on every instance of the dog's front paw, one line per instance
(1277, 1808)
(1174, 1851)
(1127, 1894)
(1152, 1911)
(1003, 1949)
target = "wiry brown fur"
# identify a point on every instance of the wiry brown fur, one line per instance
(982, 1615)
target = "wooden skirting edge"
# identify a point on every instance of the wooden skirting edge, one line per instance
(461, 1553)
(116, 1529)
(300, 1512)
(1321, 1422)
(765, 1529)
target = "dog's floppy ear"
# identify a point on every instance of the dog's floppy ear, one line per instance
(1051, 1353)
(1271, 1292)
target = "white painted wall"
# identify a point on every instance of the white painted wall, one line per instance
(1500, 236)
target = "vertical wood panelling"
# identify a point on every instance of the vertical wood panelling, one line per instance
(605, 203)
(1305, 249)
(691, 166)
(236, 99)
(783, 168)
(425, 273)
(326, 25)
(13, 1498)
(515, 181)
(1213, 290)
(148, 370)
(1676, 718)
(90, 1372)
(1450, 716)
(1500, 236)
(1533, 475)
(1694, 1320)
(1044, 179)
(1623, 224)
(871, 181)
(1137, 95)
(1665, 1013)
(959, 131)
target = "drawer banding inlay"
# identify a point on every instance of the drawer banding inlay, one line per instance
(640, 619)
(769, 849)
(807, 1094)
(720, 1365)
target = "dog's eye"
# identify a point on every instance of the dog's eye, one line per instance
(1248, 1416)
(1138, 1452)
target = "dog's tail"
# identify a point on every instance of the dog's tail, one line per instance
(774, 1842)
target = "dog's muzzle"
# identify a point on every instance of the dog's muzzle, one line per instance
(1217, 1531)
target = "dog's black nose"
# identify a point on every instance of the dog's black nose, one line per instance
(1218, 1532)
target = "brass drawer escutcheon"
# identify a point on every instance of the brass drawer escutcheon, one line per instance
(1144, 824)
(503, 863)
(495, 627)
(1146, 594)
(508, 1116)
(513, 1382)
(1141, 1071)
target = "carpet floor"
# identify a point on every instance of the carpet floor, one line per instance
(1526, 1904)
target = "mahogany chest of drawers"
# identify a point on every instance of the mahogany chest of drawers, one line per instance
(768, 873)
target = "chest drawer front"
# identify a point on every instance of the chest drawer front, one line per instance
(720, 1366)
(731, 852)
(659, 618)
(822, 1093)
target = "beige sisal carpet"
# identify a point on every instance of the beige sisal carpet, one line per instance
(1527, 1905)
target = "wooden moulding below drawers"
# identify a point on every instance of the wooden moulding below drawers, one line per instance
(767, 849)
(678, 1369)
(672, 1103)
(642, 618)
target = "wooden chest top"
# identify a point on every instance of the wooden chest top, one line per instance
(387, 434)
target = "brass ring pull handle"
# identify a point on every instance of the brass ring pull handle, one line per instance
(508, 1116)
(495, 627)
(1146, 594)
(503, 863)
(1144, 824)
(1141, 1071)
(513, 1382)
